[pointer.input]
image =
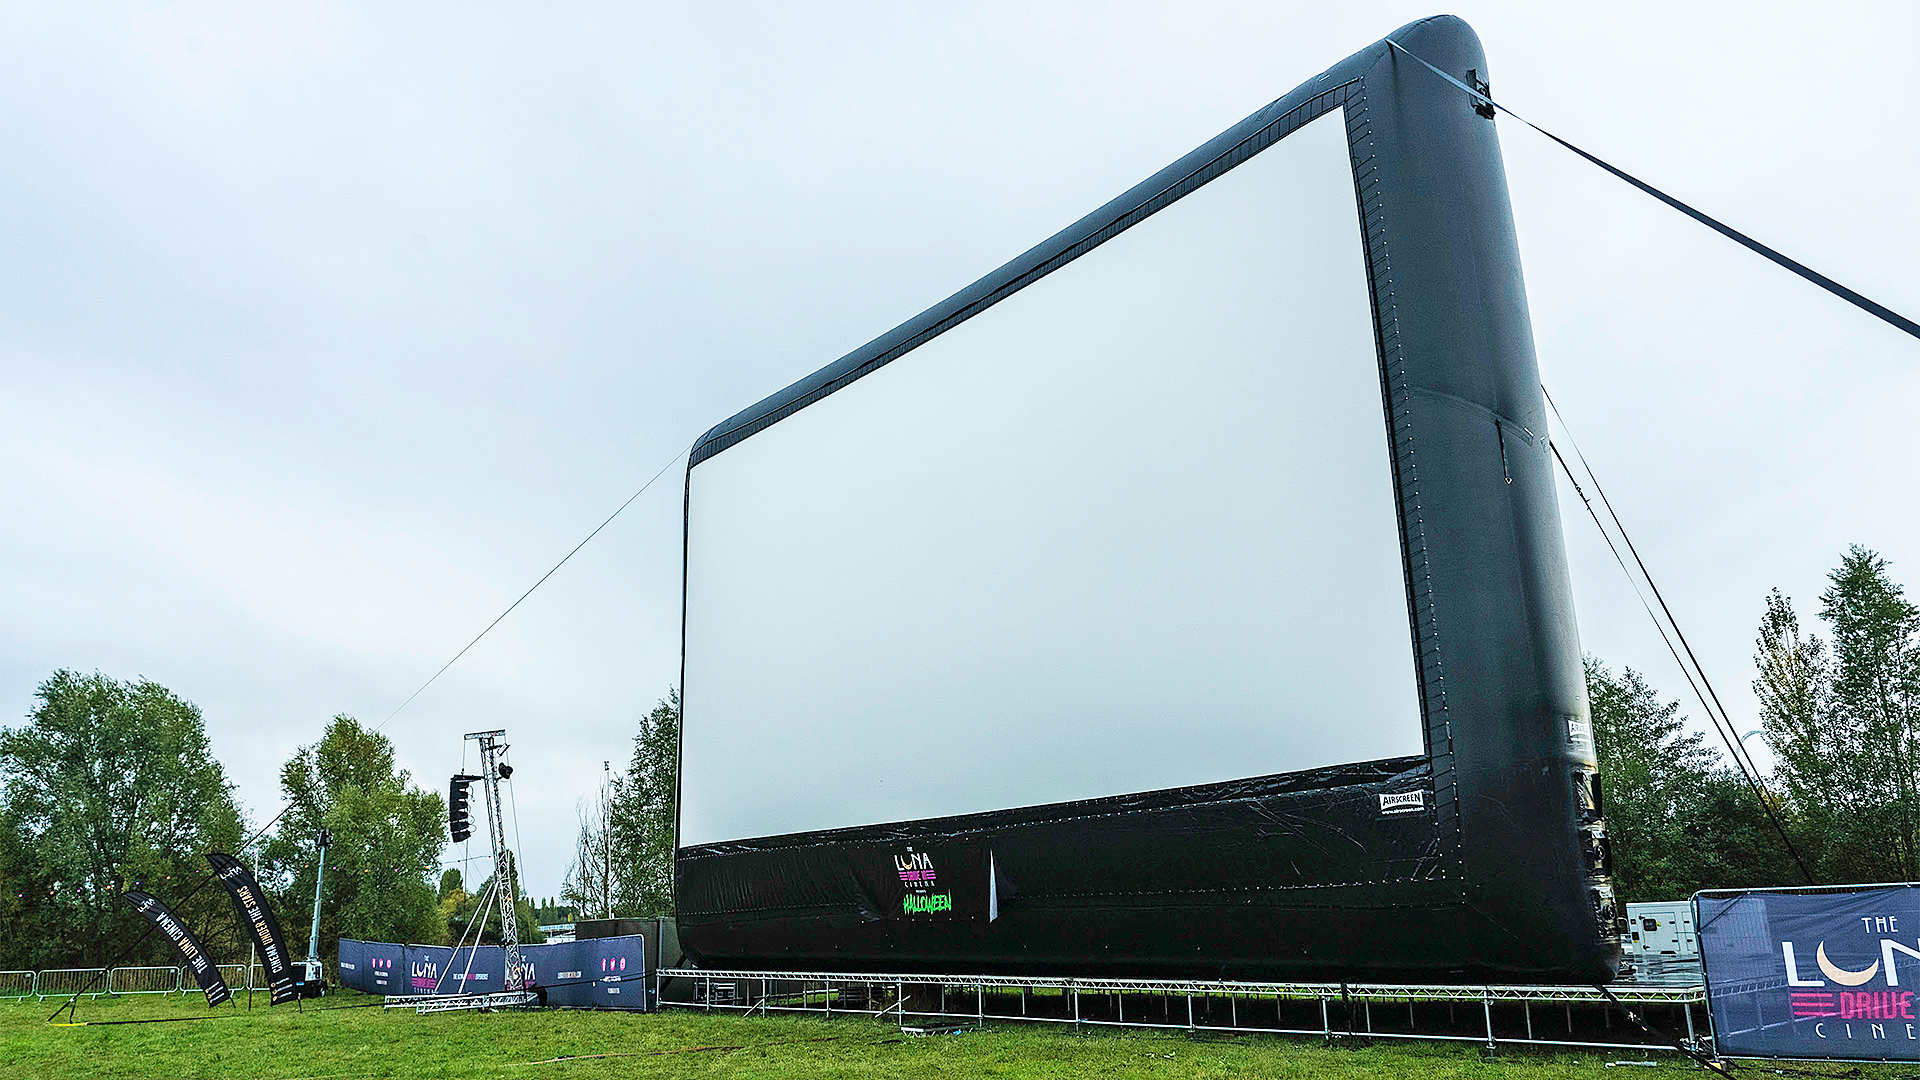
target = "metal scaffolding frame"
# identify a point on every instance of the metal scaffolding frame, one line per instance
(1333, 1011)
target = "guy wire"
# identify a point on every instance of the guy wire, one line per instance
(72, 1003)
(1722, 724)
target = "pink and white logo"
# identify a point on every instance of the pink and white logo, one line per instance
(915, 868)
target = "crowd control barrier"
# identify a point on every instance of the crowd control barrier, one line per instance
(1827, 973)
(598, 973)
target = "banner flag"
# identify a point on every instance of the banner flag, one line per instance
(257, 917)
(204, 971)
(1813, 973)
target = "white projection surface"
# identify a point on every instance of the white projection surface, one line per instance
(1130, 528)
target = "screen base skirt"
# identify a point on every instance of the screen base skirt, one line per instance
(1329, 873)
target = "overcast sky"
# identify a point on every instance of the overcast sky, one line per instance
(326, 329)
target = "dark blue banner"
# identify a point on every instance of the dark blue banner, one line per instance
(1828, 973)
(373, 967)
(602, 973)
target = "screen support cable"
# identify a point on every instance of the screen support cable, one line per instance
(1878, 311)
(531, 588)
(1722, 723)
(1647, 575)
(71, 1005)
(1716, 712)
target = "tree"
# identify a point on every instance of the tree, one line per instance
(1651, 769)
(592, 880)
(1846, 729)
(453, 901)
(1793, 686)
(642, 811)
(1680, 819)
(463, 914)
(623, 861)
(1792, 683)
(108, 786)
(387, 840)
(1728, 841)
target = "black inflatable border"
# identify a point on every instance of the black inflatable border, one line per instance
(1518, 883)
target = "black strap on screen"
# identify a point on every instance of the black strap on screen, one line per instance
(1879, 311)
(1707, 1062)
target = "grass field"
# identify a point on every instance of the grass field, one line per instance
(333, 1038)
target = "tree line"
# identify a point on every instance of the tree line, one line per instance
(113, 785)
(1841, 715)
(110, 786)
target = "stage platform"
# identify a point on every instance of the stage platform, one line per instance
(1650, 1008)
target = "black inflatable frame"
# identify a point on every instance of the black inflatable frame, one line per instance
(1485, 859)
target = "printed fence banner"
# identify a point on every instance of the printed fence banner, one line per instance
(443, 969)
(373, 967)
(1813, 973)
(596, 973)
(618, 968)
(564, 971)
(205, 972)
(257, 917)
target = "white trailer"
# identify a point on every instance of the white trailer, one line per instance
(1661, 928)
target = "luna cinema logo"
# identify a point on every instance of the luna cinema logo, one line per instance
(916, 868)
(917, 874)
(1835, 1011)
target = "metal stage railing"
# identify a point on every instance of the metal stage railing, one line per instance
(1564, 1016)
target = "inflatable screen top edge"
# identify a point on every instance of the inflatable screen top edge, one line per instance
(1009, 637)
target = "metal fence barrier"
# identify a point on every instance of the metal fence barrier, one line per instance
(112, 982)
(63, 981)
(143, 980)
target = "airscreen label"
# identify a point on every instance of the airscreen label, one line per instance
(1580, 732)
(1403, 802)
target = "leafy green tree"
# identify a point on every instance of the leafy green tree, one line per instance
(551, 911)
(1792, 682)
(642, 809)
(1846, 727)
(1728, 841)
(1651, 769)
(453, 901)
(1793, 686)
(623, 861)
(108, 786)
(387, 840)
(463, 912)
(594, 879)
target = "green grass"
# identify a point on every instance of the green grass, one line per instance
(331, 1039)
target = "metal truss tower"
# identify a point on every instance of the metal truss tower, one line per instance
(505, 873)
